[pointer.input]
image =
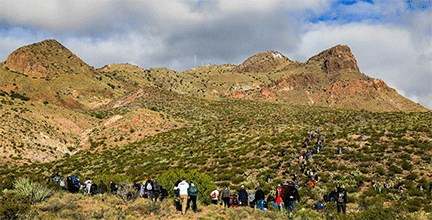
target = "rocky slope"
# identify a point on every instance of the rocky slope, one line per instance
(53, 104)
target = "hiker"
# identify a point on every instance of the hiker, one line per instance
(283, 152)
(290, 196)
(156, 190)
(176, 190)
(340, 150)
(164, 194)
(113, 187)
(259, 197)
(243, 196)
(251, 198)
(215, 195)
(192, 193)
(268, 178)
(279, 192)
(62, 183)
(149, 189)
(102, 187)
(341, 199)
(93, 189)
(183, 187)
(226, 195)
(87, 185)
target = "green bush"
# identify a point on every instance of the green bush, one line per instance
(203, 182)
(12, 206)
(33, 190)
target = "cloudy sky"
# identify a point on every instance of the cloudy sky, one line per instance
(391, 39)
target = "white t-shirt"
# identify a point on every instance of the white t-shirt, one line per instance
(183, 186)
(217, 194)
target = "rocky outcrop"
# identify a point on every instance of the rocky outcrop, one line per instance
(295, 81)
(336, 58)
(46, 59)
(263, 62)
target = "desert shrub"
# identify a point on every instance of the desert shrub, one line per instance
(395, 169)
(128, 193)
(33, 190)
(12, 205)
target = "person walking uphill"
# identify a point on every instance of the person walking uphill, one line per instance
(226, 195)
(259, 197)
(192, 192)
(341, 199)
(149, 189)
(290, 196)
(183, 187)
(243, 196)
(215, 195)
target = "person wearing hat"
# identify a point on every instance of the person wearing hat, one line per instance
(149, 189)
(243, 196)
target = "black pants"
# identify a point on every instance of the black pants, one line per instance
(252, 204)
(226, 201)
(214, 201)
(194, 205)
(341, 207)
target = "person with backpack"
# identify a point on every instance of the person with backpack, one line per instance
(164, 194)
(226, 196)
(243, 196)
(149, 189)
(113, 187)
(251, 198)
(290, 196)
(183, 187)
(157, 190)
(259, 197)
(214, 196)
(341, 199)
(193, 193)
(93, 189)
(102, 187)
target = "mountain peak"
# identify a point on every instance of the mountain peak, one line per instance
(337, 58)
(263, 62)
(46, 59)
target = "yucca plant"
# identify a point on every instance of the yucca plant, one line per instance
(36, 192)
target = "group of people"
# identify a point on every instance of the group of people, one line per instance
(285, 195)
(150, 189)
(185, 193)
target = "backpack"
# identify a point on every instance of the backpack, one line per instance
(213, 195)
(235, 201)
(194, 189)
(149, 187)
(251, 197)
(340, 198)
(156, 187)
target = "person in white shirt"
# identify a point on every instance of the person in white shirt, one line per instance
(183, 187)
(215, 196)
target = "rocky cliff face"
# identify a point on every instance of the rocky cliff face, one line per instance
(46, 59)
(335, 59)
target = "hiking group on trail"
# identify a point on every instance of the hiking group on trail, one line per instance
(282, 197)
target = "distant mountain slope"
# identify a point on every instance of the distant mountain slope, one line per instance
(53, 103)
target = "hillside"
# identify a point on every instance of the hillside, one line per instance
(243, 141)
